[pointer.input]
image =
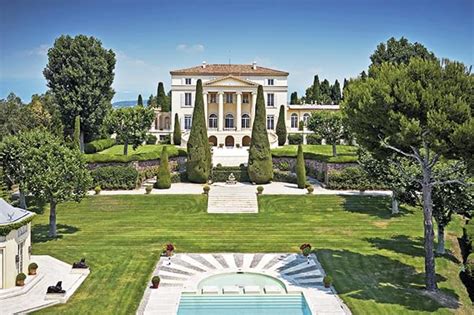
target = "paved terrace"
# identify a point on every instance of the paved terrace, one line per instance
(187, 270)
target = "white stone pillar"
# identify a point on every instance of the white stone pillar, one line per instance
(205, 108)
(239, 111)
(220, 122)
(252, 108)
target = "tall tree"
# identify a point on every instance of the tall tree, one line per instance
(198, 165)
(344, 87)
(336, 93)
(300, 168)
(56, 173)
(325, 92)
(260, 167)
(80, 74)
(4, 191)
(281, 126)
(140, 100)
(131, 125)
(422, 111)
(176, 131)
(363, 75)
(11, 116)
(77, 134)
(316, 90)
(328, 125)
(151, 101)
(162, 99)
(164, 175)
(294, 98)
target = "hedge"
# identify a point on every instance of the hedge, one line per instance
(151, 139)
(115, 177)
(5, 229)
(295, 138)
(313, 139)
(351, 178)
(98, 145)
(284, 176)
(221, 173)
(146, 156)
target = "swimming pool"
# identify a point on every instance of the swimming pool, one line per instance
(287, 304)
(240, 279)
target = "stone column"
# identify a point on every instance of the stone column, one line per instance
(239, 111)
(252, 108)
(204, 95)
(220, 122)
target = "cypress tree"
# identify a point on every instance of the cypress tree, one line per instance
(344, 87)
(260, 166)
(164, 176)
(300, 168)
(281, 126)
(294, 98)
(363, 75)
(176, 131)
(150, 101)
(316, 90)
(140, 100)
(198, 165)
(336, 93)
(161, 99)
(77, 133)
(325, 90)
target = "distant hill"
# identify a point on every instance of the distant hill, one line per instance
(121, 104)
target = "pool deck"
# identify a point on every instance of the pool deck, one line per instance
(183, 273)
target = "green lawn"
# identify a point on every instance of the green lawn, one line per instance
(345, 153)
(142, 153)
(376, 260)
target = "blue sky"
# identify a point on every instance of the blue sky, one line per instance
(331, 38)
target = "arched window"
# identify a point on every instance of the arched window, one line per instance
(213, 121)
(229, 121)
(294, 120)
(305, 119)
(245, 121)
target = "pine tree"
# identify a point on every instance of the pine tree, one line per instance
(325, 90)
(161, 99)
(164, 176)
(300, 168)
(198, 165)
(316, 90)
(281, 126)
(260, 167)
(77, 133)
(140, 100)
(336, 93)
(176, 131)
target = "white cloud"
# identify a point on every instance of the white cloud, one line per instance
(41, 50)
(196, 48)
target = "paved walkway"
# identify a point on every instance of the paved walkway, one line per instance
(184, 272)
(32, 296)
(235, 198)
(230, 156)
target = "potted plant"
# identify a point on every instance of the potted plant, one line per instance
(32, 269)
(206, 189)
(20, 279)
(310, 189)
(97, 189)
(327, 280)
(259, 190)
(305, 249)
(155, 282)
(148, 189)
(169, 248)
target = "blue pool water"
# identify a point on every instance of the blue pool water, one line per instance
(285, 304)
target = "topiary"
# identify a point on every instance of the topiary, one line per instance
(281, 126)
(206, 189)
(164, 176)
(176, 131)
(310, 189)
(259, 190)
(32, 268)
(198, 165)
(300, 168)
(260, 166)
(97, 189)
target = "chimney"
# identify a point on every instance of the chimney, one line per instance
(254, 65)
(204, 64)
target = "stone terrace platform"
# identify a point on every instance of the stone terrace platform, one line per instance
(187, 270)
(32, 296)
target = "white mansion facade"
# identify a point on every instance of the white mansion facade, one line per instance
(230, 93)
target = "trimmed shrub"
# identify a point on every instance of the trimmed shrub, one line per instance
(221, 173)
(98, 145)
(259, 190)
(145, 156)
(115, 177)
(97, 189)
(284, 176)
(281, 126)
(151, 139)
(198, 164)
(164, 176)
(148, 189)
(310, 189)
(176, 131)
(351, 178)
(206, 189)
(283, 166)
(260, 166)
(300, 168)
(313, 139)
(295, 138)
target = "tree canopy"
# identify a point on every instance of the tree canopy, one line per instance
(328, 125)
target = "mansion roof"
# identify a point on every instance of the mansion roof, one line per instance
(10, 214)
(313, 106)
(229, 69)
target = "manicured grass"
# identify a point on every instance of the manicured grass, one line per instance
(346, 153)
(142, 153)
(376, 260)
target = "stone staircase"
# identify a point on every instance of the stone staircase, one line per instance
(226, 199)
